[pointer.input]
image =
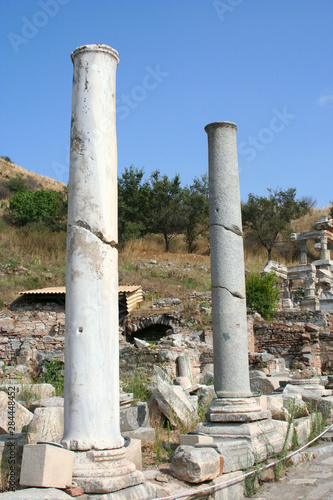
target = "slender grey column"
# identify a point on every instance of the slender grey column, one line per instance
(324, 252)
(92, 344)
(231, 367)
(303, 252)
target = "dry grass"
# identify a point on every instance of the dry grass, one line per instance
(9, 170)
(43, 254)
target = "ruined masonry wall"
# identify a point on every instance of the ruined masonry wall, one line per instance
(30, 333)
(305, 337)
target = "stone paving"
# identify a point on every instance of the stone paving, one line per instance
(311, 480)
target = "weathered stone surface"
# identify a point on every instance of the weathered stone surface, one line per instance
(11, 447)
(239, 443)
(46, 466)
(36, 391)
(194, 439)
(231, 366)
(55, 401)
(195, 465)
(184, 382)
(134, 417)
(276, 407)
(145, 434)
(133, 453)
(47, 425)
(232, 492)
(145, 491)
(173, 403)
(141, 343)
(16, 421)
(36, 494)
(104, 471)
(261, 385)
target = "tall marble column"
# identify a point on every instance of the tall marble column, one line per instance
(231, 367)
(91, 407)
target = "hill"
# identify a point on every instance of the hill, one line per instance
(9, 170)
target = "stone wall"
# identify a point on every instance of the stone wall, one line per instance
(303, 337)
(31, 333)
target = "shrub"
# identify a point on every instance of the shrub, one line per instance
(16, 184)
(53, 373)
(262, 294)
(46, 207)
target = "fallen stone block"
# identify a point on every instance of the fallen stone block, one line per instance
(55, 401)
(323, 404)
(184, 382)
(193, 439)
(196, 465)
(134, 453)
(46, 466)
(205, 395)
(11, 449)
(134, 417)
(261, 385)
(276, 407)
(173, 404)
(35, 391)
(141, 343)
(145, 434)
(47, 425)
(13, 416)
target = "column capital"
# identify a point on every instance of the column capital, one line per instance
(220, 125)
(96, 47)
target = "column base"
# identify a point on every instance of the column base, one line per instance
(243, 444)
(104, 471)
(235, 410)
(311, 303)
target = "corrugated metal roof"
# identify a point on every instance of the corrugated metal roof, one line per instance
(42, 291)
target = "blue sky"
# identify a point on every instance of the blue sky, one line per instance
(263, 64)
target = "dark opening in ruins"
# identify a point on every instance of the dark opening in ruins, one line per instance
(153, 332)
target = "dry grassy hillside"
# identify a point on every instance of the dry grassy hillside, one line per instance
(31, 257)
(8, 170)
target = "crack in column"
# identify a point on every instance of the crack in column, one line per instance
(99, 235)
(235, 294)
(233, 229)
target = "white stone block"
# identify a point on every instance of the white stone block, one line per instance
(196, 465)
(133, 453)
(46, 466)
(193, 439)
(47, 425)
(14, 421)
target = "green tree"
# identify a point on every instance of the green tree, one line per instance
(266, 218)
(133, 197)
(46, 207)
(166, 209)
(195, 211)
(262, 294)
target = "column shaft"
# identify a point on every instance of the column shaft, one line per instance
(92, 344)
(231, 368)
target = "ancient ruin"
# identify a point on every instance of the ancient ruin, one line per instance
(316, 278)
